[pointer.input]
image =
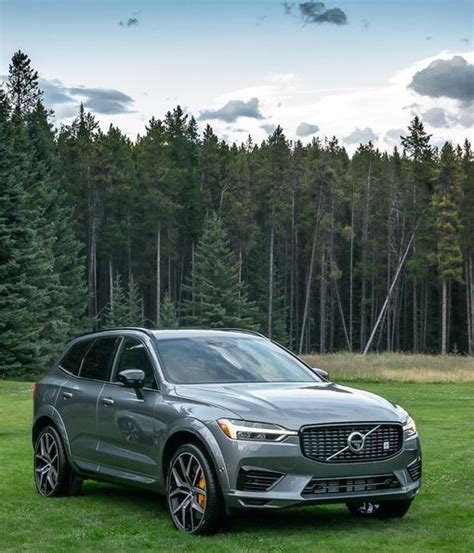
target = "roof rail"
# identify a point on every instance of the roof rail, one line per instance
(120, 328)
(254, 332)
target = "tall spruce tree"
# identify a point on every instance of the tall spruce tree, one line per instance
(417, 149)
(22, 85)
(217, 297)
(124, 307)
(169, 318)
(447, 226)
(23, 349)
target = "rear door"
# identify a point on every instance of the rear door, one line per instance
(77, 402)
(128, 426)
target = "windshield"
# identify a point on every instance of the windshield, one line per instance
(206, 360)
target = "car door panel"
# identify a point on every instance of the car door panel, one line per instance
(77, 405)
(128, 429)
(128, 426)
(78, 401)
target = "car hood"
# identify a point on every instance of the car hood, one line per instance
(293, 405)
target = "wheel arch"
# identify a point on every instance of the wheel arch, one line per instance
(200, 435)
(49, 415)
(40, 423)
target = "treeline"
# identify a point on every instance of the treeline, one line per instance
(298, 241)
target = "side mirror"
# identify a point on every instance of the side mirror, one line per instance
(322, 374)
(133, 378)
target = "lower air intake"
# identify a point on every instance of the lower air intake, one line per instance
(250, 480)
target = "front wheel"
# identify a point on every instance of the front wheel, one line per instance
(193, 495)
(387, 509)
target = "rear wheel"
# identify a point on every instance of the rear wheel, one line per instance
(194, 498)
(387, 509)
(53, 473)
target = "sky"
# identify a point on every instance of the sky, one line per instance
(358, 69)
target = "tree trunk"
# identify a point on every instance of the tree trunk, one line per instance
(415, 316)
(365, 235)
(111, 283)
(341, 313)
(470, 301)
(129, 248)
(389, 294)
(308, 286)
(444, 318)
(351, 274)
(158, 277)
(292, 271)
(270, 283)
(322, 305)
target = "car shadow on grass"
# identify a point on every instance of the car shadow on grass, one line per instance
(284, 521)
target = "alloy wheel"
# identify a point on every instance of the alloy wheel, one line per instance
(367, 508)
(187, 492)
(46, 464)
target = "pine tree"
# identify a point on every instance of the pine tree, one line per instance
(118, 310)
(258, 292)
(124, 308)
(447, 226)
(23, 351)
(134, 304)
(168, 313)
(217, 297)
(22, 85)
(417, 149)
(58, 228)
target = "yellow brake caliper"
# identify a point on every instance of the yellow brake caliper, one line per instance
(202, 485)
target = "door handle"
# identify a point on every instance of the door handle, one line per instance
(67, 395)
(107, 401)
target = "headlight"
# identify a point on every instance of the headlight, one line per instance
(409, 428)
(254, 431)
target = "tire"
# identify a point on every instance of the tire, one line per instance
(387, 509)
(193, 494)
(53, 474)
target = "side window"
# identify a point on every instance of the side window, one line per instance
(99, 359)
(71, 362)
(133, 355)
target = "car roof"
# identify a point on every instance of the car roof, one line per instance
(176, 333)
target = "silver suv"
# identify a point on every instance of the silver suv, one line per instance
(218, 420)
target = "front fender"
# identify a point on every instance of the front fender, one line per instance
(205, 436)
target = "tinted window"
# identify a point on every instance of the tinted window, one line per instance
(133, 355)
(99, 359)
(229, 359)
(71, 362)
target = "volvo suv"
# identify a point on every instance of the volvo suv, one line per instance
(218, 420)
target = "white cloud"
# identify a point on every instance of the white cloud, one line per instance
(338, 112)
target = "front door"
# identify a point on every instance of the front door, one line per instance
(128, 428)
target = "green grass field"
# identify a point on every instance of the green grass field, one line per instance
(394, 367)
(110, 518)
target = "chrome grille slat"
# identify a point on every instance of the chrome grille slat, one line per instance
(320, 442)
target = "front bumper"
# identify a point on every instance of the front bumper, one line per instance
(345, 481)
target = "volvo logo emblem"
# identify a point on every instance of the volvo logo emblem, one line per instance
(355, 442)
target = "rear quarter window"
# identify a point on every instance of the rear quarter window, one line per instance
(71, 362)
(99, 359)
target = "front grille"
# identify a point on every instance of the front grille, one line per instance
(250, 480)
(321, 443)
(415, 469)
(318, 486)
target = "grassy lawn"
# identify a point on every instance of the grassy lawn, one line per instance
(394, 367)
(109, 518)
